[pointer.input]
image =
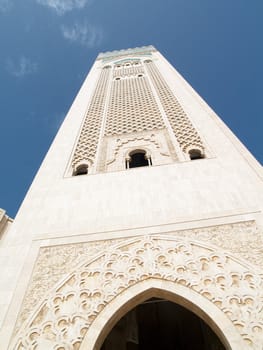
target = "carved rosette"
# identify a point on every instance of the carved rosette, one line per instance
(67, 312)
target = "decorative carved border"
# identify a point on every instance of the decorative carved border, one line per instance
(67, 312)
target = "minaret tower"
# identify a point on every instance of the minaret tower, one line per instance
(143, 226)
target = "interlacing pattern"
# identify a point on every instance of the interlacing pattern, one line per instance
(67, 313)
(183, 129)
(88, 140)
(132, 107)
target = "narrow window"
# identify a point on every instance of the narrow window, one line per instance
(81, 170)
(138, 159)
(195, 154)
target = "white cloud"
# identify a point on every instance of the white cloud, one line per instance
(24, 67)
(5, 5)
(83, 33)
(62, 6)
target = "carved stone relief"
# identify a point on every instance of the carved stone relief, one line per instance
(186, 134)
(64, 316)
(52, 265)
(86, 146)
(132, 106)
(156, 143)
(242, 239)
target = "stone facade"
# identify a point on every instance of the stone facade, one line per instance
(84, 250)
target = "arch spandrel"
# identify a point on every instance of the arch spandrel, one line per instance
(222, 282)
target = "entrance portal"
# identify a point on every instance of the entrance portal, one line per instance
(160, 324)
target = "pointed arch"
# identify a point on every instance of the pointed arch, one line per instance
(178, 294)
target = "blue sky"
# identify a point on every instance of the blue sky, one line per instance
(48, 47)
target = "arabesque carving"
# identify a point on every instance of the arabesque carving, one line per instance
(52, 265)
(65, 315)
(243, 239)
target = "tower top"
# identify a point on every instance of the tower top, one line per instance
(117, 53)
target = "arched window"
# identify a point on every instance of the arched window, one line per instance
(195, 154)
(81, 170)
(137, 159)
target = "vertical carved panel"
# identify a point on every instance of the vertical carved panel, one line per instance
(182, 127)
(132, 106)
(89, 137)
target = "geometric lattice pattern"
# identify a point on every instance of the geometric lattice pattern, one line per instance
(89, 136)
(183, 129)
(132, 107)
